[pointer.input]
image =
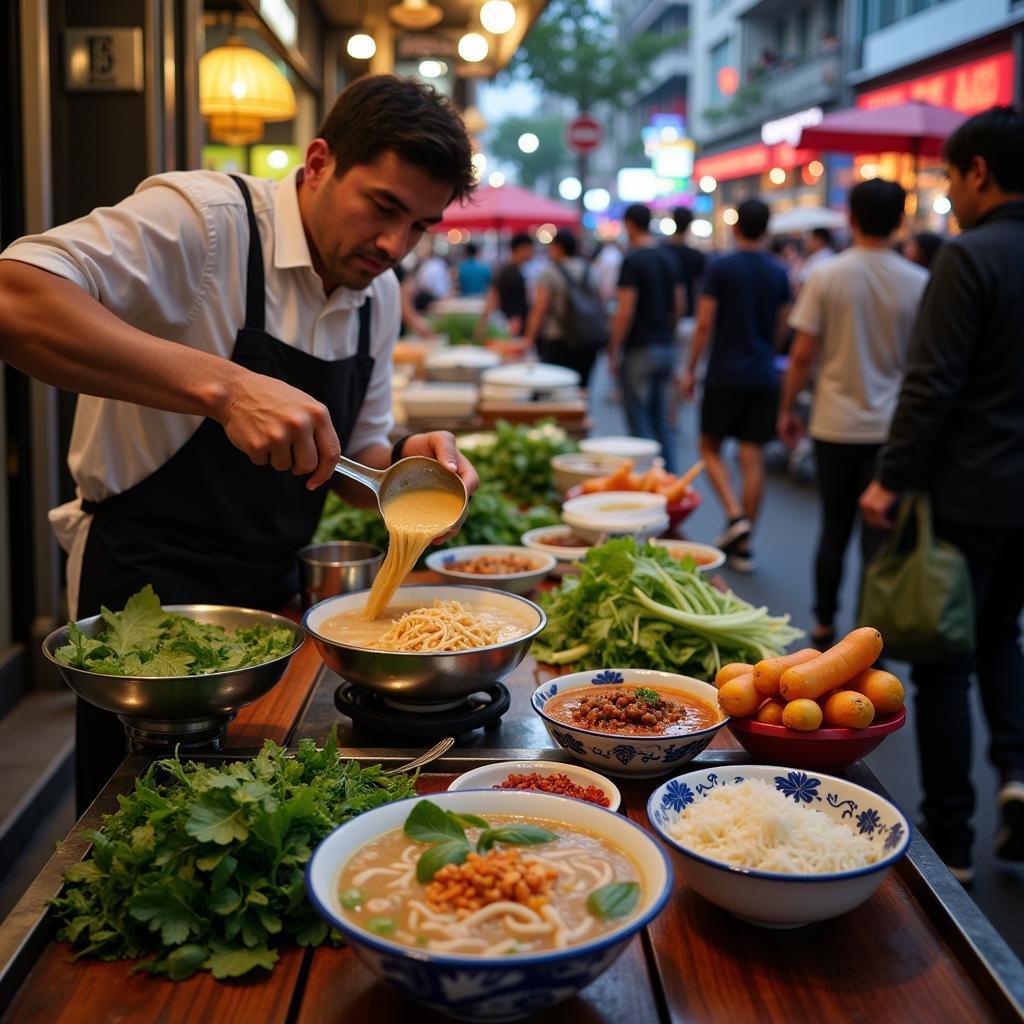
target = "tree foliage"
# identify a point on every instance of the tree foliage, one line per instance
(549, 157)
(575, 51)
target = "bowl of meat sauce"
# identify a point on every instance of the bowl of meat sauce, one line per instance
(519, 570)
(630, 721)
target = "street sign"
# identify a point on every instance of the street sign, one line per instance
(583, 135)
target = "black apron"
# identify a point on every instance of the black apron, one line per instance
(209, 526)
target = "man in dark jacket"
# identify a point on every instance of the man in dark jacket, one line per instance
(959, 433)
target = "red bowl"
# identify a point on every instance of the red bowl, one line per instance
(677, 510)
(823, 750)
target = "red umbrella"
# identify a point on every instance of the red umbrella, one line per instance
(917, 128)
(507, 208)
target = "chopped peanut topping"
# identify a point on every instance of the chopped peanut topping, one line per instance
(462, 889)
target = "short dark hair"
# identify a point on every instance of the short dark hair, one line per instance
(638, 215)
(521, 239)
(472, 249)
(683, 216)
(566, 241)
(823, 235)
(377, 114)
(876, 206)
(997, 135)
(929, 243)
(752, 219)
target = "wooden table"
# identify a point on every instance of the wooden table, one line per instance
(918, 951)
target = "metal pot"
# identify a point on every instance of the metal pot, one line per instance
(338, 567)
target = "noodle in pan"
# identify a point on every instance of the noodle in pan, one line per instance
(444, 626)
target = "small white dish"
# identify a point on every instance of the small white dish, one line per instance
(513, 582)
(641, 450)
(574, 468)
(599, 517)
(534, 376)
(489, 776)
(708, 558)
(566, 556)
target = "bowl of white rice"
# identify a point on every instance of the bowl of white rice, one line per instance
(775, 846)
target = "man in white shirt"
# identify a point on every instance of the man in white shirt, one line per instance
(820, 249)
(215, 327)
(853, 318)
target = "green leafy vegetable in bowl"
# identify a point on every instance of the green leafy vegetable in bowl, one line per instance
(202, 867)
(518, 462)
(642, 608)
(145, 640)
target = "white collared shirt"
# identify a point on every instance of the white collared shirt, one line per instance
(171, 261)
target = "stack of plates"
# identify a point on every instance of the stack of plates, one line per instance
(529, 382)
(428, 400)
(459, 364)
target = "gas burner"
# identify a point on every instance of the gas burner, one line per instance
(375, 713)
(194, 735)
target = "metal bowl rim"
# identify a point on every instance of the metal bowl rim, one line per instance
(343, 562)
(183, 609)
(430, 654)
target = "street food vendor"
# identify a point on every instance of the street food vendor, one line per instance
(220, 327)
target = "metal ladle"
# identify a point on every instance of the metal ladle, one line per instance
(416, 473)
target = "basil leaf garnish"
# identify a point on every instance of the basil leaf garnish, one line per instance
(616, 899)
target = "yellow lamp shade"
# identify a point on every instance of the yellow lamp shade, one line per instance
(235, 129)
(239, 82)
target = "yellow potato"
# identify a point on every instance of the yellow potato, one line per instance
(731, 671)
(803, 714)
(849, 709)
(883, 689)
(739, 696)
(770, 712)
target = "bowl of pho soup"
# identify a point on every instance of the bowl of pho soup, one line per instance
(489, 905)
(630, 721)
(431, 644)
(775, 846)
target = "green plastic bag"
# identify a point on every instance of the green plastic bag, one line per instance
(917, 590)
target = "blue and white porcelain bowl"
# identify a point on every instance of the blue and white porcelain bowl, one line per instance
(501, 988)
(639, 757)
(769, 898)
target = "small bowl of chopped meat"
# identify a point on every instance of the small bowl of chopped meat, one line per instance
(517, 570)
(630, 721)
(545, 777)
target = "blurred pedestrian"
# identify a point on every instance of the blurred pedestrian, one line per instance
(507, 292)
(958, 432)
(473, 275)
(547, 327)
(690, 263)
(853, 319)
(433, 278)
(742, 314)
(606, 266)
(819, 248)
(922, 248)
(649, 303)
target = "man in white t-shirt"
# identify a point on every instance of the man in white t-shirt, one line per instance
(853, 319)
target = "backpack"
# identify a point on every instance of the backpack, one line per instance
(586, 322)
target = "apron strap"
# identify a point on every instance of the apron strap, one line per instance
(255, 286)
(364, 327)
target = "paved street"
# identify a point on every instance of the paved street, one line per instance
(784, 545)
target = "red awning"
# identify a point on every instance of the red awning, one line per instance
(507, 208)
(919, 128)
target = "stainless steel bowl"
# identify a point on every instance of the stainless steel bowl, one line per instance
(179, 698)
(427, 678)
(337, 567)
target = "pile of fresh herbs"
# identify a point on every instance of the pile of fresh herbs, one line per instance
(518, 461)
(643, 608)
(202, 867)
(145, 640)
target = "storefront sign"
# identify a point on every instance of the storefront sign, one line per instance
(788, 129)
(967, 88)
(751, 160)
(103, 59)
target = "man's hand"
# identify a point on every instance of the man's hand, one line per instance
(440, 445)
(790, 428)
(876, 505)
(687, 384)
(281, 426)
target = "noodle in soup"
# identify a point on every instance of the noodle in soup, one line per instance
(511, 899)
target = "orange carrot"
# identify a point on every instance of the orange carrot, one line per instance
(856, 652)
(731, 671)
(768, 672)
(738, 697)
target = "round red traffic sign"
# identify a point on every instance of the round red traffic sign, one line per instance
(583, 134)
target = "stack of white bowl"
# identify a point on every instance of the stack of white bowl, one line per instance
(608, 514)
(528, 382)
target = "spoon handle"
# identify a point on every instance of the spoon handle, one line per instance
(356, 471)
(432, 754)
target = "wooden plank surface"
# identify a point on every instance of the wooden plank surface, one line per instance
(882, 962)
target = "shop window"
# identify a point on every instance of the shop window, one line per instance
(803, 32)
(719, 60)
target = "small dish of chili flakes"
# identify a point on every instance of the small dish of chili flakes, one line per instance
(545, 776)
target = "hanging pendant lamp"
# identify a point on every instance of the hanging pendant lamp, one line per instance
(415, 15)
(239, 90)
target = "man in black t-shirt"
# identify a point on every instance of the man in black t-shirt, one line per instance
(507, 291)
(642, 346)
(689, 261)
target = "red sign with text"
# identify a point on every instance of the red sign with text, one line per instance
(750, 160)
(968, 88)
(583, 134)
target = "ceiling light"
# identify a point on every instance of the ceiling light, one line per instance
(361, 46)
(497, 16)
(433, 68)
(415, 15)
(472, 47)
